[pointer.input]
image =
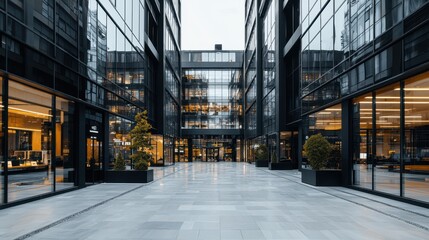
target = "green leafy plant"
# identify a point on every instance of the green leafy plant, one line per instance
(141, 136)
(261, 152)
(119, 163)
(318, 151)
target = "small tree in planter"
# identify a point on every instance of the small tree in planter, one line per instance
(261, 156)
(318, 152)
(119, 163)
(140, 136)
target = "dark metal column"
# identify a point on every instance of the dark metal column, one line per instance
(105, 141)
(190, 153)
(347, 142)
(81, 145)
(402, 139)
(5, 86)
(234, 150)
(53, 143)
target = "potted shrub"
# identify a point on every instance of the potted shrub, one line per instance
(119, 163)
(318, 151)
(261, 156)
(140, 136)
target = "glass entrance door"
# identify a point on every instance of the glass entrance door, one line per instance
(212, 154)
(93, 160)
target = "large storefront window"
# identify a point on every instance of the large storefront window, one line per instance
(416, 156)
(29, 142)
(393, 157)
(64, 148)
(119, 140)
(362, 138)
(168, 151)
(156, 152)
(388, 150)
(251, 146)
(378, 171)
(288, 147)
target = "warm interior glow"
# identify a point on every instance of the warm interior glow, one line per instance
(413, 89)
(29, 111)
(398, 117)
(388, 102)
(389, 97)
(25, 129)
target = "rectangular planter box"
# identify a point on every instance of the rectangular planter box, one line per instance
(129, 176)
(286, 165)
(261, 163)
(321, 177)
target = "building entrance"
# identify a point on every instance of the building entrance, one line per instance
(212, 155)
(94, 154)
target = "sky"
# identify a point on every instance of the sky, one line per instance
(209, 22)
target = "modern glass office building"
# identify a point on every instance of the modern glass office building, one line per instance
(271, 117)
(355, 71)
(212, 105)
(73, 75)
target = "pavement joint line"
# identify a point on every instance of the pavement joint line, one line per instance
(70, 217)
(362, 205)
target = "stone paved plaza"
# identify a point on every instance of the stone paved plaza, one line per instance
(215, 201)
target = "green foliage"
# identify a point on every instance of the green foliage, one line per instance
(141, 161)
(318, 151)
(140, 136)
(261, 152)
(119, 163)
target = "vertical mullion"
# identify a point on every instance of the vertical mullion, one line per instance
(402, 137)
(374, 138)
(5, 94)
(53, 143)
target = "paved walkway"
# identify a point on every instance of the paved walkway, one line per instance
(215, 201)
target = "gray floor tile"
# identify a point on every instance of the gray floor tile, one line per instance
(217, 201)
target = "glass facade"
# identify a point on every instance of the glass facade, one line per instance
(212, 105)
(120, 140)
(74, 74)
(250, 66)
(398, 165)
(211, 99)
(40, 156)
(362, 57)
(269, 70)
(172, 73)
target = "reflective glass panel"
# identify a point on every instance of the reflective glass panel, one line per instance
(29, 142)
(416, 157)
(387, 155)
(362, 142)
(65, 160)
